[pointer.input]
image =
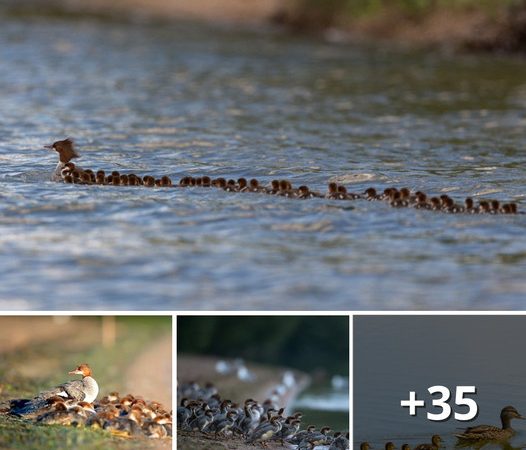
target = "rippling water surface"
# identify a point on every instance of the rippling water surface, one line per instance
(182, 99)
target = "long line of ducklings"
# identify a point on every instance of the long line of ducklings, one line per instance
(126, 416)
(397, 198)
(203, 411)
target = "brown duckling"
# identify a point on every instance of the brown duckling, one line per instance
(436, 440)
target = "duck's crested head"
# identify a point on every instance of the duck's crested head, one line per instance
(83, 370)
(65, 149)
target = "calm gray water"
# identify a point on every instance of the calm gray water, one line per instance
(395, 355)
(182, 99)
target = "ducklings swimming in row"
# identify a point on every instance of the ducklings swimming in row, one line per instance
(67, 172)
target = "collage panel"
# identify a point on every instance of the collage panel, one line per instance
(439, 381)
(86, 382)
(248, 382)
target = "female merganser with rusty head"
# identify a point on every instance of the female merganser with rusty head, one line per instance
(85, 390)
(66, 152)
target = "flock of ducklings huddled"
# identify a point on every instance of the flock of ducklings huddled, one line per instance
(393, 196)
(203, 411)
(126, 416)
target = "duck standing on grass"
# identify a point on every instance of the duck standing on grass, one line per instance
(85, 390)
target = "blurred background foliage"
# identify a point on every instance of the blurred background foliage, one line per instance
(302, 342)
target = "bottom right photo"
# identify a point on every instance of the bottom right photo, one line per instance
(441, 381)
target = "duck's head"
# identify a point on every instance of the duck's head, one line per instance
(510, 412)
(83, 370)
(65, 149)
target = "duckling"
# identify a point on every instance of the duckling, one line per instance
(242, 185)
(492, 433)
(341, 442)
(265, 431)
(223, 425)
(60, 415)
(484, 207)
(495, 207)
(304, 192)
(365, 446)
(406, 447)
(436, 440)
(390, 446)
(435, 203)
(285, 189)
(202, 421)
(166, 181)
(397, 201)
(469, 205)
(370, 194)
(207, 181)
(421, 201)
(332, 191)
(300, 435)
(154, 429)
(388, 193)
(288, 429)
(405, 194)
(253, 185)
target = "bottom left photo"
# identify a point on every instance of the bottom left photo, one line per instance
(86, 382)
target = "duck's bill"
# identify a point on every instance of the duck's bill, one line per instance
(75, 372)
(50, 146)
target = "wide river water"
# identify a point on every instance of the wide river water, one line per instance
(182, 99)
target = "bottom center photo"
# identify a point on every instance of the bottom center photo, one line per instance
(277, 381)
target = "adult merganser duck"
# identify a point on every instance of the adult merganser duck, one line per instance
(491, 433)
(85, 390)
(66, 152)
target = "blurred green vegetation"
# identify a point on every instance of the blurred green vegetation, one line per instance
(303, 342)
(333, 12)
